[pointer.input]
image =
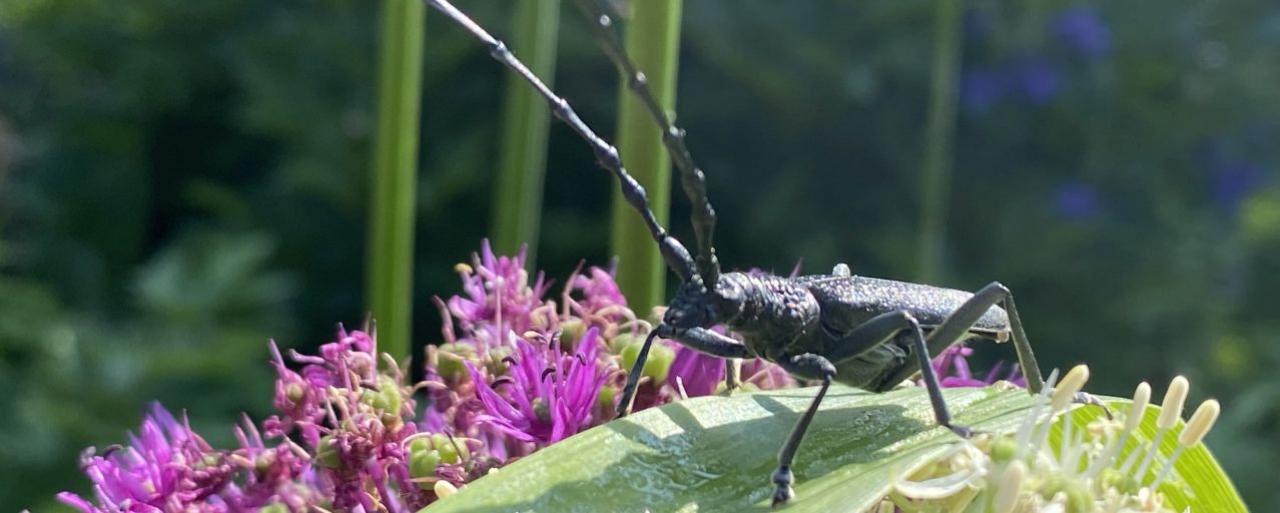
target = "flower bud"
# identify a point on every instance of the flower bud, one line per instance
(327, 455)
(450, 452)
(606, 397)
(423, 460)
(571, 331)
(656, 366)
(451, 356)
(622, 341)
(494, 359)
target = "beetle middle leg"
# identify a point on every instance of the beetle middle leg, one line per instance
(869, 335)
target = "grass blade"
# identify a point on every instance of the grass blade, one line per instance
(389, 267)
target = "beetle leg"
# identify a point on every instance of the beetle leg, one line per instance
(885, 327)
(698, 339)
(808, 366)
(931, 383)
(958, 324)
(732, 373)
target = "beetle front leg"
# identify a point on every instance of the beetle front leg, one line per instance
(807, 366)
(698, 339)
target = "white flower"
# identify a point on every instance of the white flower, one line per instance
(1081, 473)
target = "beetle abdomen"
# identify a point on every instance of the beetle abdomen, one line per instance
(849, 301)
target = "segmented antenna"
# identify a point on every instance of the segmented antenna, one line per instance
(673, 252)
(692, 179)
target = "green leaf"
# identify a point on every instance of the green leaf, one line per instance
(716, 454)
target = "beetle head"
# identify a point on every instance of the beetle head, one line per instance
(696, 307)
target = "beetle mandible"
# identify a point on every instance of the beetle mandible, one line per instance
(864, 332)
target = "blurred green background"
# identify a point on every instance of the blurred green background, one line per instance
(180, 181)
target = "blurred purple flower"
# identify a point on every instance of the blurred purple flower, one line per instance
(550, 394)
(1036, 79)
(977, 24)
(1077, 201)
(1233, 181)
(953, 370)
(1083, 30)
(982, 89)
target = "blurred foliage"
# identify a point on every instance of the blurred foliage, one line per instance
(183, 180)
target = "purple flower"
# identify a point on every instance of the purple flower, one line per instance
(1082, 30)
(1233, 181)
(953, 370)
(1036, 79)
(165, 467)
(1077, 201)
(498, 291)
(550, 395)
(982, 89)
(694, 373)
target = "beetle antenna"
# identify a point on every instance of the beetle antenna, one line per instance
(692, 179)
(673, 252)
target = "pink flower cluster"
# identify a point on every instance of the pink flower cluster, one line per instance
(516, 371)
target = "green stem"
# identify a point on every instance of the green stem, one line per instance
(653, 41)
(525, 119)
(395, 163)
(939, 139)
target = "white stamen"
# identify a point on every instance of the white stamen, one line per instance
(1200, 424)
(1070, 385)
(1010, 487)
(1141, 398)
(1174, 400)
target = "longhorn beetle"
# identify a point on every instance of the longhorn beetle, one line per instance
(864, 332)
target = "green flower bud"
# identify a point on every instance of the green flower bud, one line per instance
(622, 341)
(327, 453)
(541, 410)
(386, 398)
(606, 398)
(1003, 449)
(451, 356)
(658, 364)
(494, 363)
(571, 331)
(450, 452)
(274, 507)
(423, 461)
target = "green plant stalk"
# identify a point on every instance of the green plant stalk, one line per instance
(653, 41)
(517, 201)
(935, 182)
(389, 271)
